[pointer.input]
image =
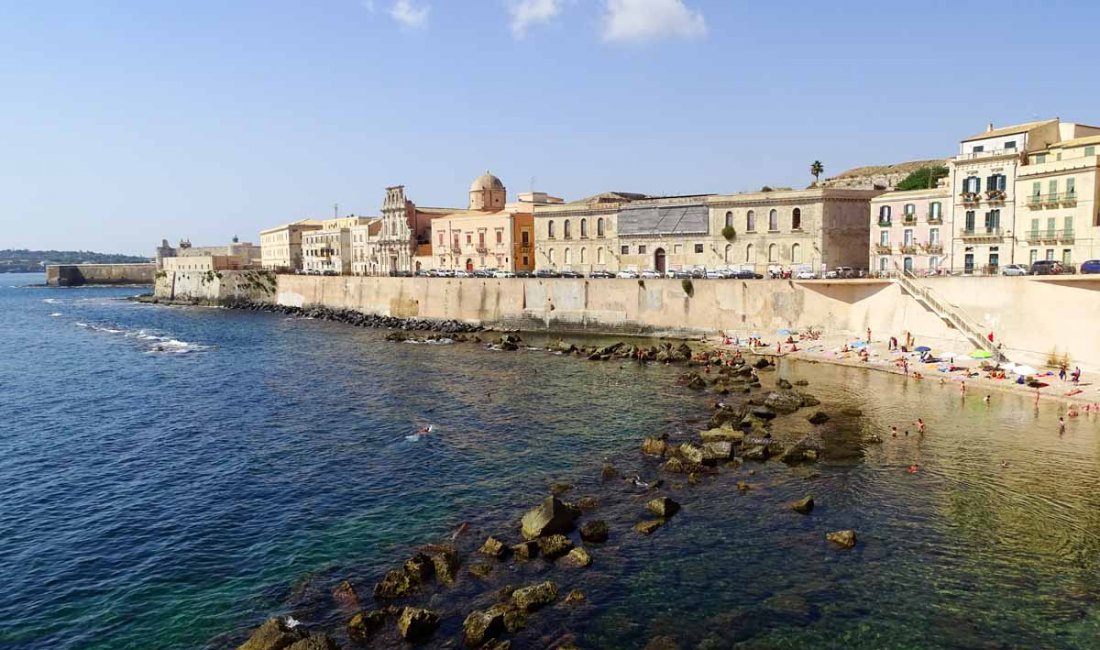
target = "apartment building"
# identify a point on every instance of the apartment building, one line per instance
(909, 230)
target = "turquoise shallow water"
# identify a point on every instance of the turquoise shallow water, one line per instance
(170, 477)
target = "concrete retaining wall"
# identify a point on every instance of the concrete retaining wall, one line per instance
(1032, 316)
(75, 275)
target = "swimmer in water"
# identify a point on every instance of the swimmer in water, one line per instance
(986, 399)
(1061, 425)
(920, 425)
(1004, 463)
(894, 432)
(913, 468)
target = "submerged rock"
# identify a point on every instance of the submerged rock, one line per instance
(673, 465)
(609, 473)
(594, 531)
(578, 557)
(417, 624)
(480, 570)
(526, 550)
(691, 453)
(715, 452)
(585, 504)
(554, 546)
(493, 547)
(662, 643)
(551, 517)
(364, 624)
(480, 626)
(804, 506)
(819, 417)
(783, 401)
(274, 634)
(535, 597)
(649, 526)
(315, 642)
(663, 507)
(395, 584)
(575, 597)
(842, 538)
(557, 489)
(344, 594)
(654, 447)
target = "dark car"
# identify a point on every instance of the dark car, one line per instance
(330, 273)
(1046, 267)
(482, 273)
(524, 274)
(679, 274)
(547, 273)
(570, 274)
(601, 275)
(746, 275)
(1091, 266)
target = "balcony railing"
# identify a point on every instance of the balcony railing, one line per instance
(988, 154)
(884, 223)
(1069, 198)
(935, 218)
(1035, 200)
(932, 248)
(884, 249)
(1050, 236)
(1050, 199)
(907, 249)
(976, 234)
(481, 248)
(995, 196)
(970, 197)
(909, 219)
(456, 249)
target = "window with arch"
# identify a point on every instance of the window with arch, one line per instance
(584, 228)
(750, 221)
(599, 227)
(550, 229)
(910, 211)
(796, 253)
(567, 229)
(773, 221)
(567, 257)
(773, 253)
(729, 219)
(599, 255)
(550, 255)
(729, 253)
(884, 213)
(583, 255)
(796, 219)
(748, 253)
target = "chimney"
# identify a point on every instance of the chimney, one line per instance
(989, 129)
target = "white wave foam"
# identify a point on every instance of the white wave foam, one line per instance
(154, 342)
(51, 301)
(55, 314)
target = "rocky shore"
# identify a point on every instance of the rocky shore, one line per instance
(449, 593)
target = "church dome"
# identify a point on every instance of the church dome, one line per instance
(486, 182)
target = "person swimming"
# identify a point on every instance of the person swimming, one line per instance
(914, 468)
(920, 425)
(986, 398)
(894, 432)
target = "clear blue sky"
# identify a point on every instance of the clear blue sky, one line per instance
(124, 122)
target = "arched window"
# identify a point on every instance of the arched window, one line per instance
(796, 253)
(910, 209)
(584, 228)
(568, 229)
(729, 253)
(729, 219)
(567, 258)
(884, 213)
(550, 256)
(773, 220)
(583, 255)
(599, 227)
(748, 253)
(750, 221)
(599, 253)
(773, 253)
(796, 219)
(550, 229)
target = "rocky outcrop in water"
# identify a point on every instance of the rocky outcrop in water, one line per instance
(551, 517)
(359, 319)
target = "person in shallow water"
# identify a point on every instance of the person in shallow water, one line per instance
(920, 425)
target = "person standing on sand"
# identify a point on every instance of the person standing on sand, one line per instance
(1061, 425)
(920, 425)
(1062, 372)
(868, 334)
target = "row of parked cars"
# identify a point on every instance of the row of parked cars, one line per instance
(1051, 267)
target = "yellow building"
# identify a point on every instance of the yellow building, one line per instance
(328, 249)
(580, 235)
(1059, 218)
(281, 246)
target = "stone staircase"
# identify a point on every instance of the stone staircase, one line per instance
(952, 315)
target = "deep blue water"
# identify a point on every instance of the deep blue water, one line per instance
(169, 477)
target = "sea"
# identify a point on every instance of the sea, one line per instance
(170, 477)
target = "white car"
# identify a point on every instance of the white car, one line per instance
(503, 274)
(461, 274)
(713, 274)
(806, 275)
(650, 275)
(627, 275)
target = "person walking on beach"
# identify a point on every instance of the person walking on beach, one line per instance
(868, 334)
(1061, 425)
(1076, 376)
(1062, 372)
(962, 387)
(893, 345)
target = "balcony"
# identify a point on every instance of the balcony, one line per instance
(1050, 199)
(988, 154)
(883, 249)
(884, 223)
(970, 198)
(456, 249)
(482, 249)
(908, 249)
(1034, 201)
(995, 196)
(909, 219)
(1069, 198)
(932, 248)
(935, 218)
(1050, 236)
(981, 234)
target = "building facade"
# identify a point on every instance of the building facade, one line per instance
(581, 235)
(665, 234)
(234, 255)
(281, 246)
(908, 231)
(328, 249)
(364, 248)
(1059, 218)
(814, 229)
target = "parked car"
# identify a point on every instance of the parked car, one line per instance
(650, 274)
(713, 274)
(460, 273)
(841, 273)
(423, 273)
(601, 275)
(330, 273)
(1014, 269)
(1046, 267)
(806, 275)
(482, 273)
(503, 273)
(1091, 266)
(627, 275)
(747, 275)
(678, 274)
(524, 274)
(547, 273)
(570, 274)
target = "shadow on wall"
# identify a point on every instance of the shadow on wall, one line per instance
(846, 292)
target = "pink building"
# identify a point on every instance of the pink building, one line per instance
(908, 231)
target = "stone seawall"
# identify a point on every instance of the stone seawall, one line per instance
(1032, 316)
(75, 275)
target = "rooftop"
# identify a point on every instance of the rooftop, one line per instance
(1010, 130)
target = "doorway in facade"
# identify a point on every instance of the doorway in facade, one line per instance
(418, 267)
(659, 260)
(469, 265)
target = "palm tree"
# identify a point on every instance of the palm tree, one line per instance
(817, 169)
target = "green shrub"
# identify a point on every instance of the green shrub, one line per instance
(923, 178)
(729, 233)
(689, 288)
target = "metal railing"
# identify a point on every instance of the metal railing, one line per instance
(981, 233)
(1049, 235)
(951, 314)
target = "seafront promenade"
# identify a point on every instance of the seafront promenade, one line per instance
(1030, 318)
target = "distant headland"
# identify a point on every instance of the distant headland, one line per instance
(28, 261)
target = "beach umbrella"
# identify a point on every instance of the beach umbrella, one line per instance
(1025, 370)
(859, 344)
(923, 348)
(981, 354)
(784, 332)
